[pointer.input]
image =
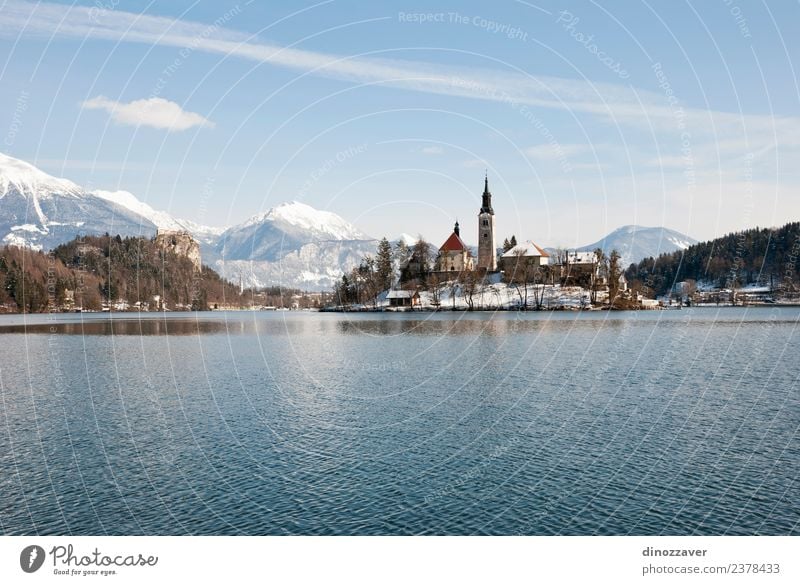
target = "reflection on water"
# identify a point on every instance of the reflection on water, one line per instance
(122, 327)
(383, 324)
(675, 422)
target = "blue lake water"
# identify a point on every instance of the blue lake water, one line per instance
(670, 422)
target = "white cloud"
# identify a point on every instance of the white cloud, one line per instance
(154, 112)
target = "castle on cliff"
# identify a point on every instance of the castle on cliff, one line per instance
(181, 243)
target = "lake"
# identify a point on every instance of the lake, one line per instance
(656, 422)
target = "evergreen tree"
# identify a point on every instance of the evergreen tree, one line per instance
(759, 255)
(402, 253)
(98, 268)
(421, 258)
(383, 264)
(614, 273)
(508, 244)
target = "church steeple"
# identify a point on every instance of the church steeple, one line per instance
(487, 253)
(486, 206)
(457, 229)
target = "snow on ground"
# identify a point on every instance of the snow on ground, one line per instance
(754, 288)
(27, 179)
(28, 227)
(15, 240)
(498, 295)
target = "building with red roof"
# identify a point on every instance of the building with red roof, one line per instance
(454, 254)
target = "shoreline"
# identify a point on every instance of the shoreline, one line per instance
(551, 309)
(558, 309)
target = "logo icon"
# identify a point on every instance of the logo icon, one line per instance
(31, 558)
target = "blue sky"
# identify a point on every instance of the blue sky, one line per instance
(588, 116)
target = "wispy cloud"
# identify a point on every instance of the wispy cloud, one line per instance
(153, 112)
(432, 150)
(612, 100)
(619, 104)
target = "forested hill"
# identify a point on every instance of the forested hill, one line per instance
(92, 271)
(760, 255)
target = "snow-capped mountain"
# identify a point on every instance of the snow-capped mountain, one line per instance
(313, 267)
(635, 243)
(41, 211)
(17, 175)
(285, 228)
(292, 245)
(161, 219)
(407, 239)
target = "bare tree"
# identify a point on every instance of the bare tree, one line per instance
(518, 276)
(469, 285)
(690, 288)
(538, 281)
(369, 281)
(434, 283)
(598, 267)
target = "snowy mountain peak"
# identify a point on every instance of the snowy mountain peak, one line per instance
(407, 239)
(26, 179)
(161, 219)
(324, 225)
(42, 211)
(292, 244)
(629, 229)
(129, 201)
(635, 242)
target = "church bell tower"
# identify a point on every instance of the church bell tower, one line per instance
(487, 252)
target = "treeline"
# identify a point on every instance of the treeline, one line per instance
(375, 274)
(372, 276)
(33, 281)
(93, 271)
(760, 255)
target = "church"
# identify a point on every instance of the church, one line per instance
(455, 255)
(487, 250)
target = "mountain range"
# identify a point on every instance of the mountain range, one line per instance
(291, 245)
(634, 243)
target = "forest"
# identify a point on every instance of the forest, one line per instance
(765, 256)
(91, 272)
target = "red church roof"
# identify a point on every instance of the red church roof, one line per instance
(454, 244)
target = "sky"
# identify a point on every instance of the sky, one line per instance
(587, 116)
